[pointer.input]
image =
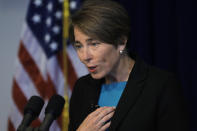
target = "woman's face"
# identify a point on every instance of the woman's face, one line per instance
(100, 58)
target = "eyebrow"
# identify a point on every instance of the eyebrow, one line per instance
(76, 42)
(88, 40)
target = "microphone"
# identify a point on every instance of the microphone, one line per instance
(31, 111)
(52, 111)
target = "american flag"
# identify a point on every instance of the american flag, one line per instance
(39, 65)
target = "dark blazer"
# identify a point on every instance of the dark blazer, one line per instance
(151, 101)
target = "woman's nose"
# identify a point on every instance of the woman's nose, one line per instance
(87, 57)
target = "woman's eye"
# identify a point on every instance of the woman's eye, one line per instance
(95, 44)
(77, 46)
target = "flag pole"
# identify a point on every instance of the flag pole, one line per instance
(66, 13)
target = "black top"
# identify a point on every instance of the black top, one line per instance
(151, 101)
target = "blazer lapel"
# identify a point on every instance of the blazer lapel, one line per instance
(131, 93)
(94, 92)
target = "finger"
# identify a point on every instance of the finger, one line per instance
(104, 113)
(92, 117)
(106, 126)
(99, 110)
(97, 115)
(105, 119)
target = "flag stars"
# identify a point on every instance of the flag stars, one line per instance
(53, 46)
(73, 5)
(48, 21)
(50, 7)
(47, 38)
(36, 18)
(37, 3)
(58, 14)
(56, 29)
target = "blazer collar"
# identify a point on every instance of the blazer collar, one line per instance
(131, 93)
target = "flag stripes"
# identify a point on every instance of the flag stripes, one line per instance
(39, 64)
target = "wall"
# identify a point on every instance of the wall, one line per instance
(12, 14)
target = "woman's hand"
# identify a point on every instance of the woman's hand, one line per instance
(97, 120)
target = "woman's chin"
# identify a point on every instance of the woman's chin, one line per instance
(96, 75)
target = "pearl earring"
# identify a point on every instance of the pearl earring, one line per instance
(121, 52)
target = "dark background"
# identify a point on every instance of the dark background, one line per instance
(164, 35)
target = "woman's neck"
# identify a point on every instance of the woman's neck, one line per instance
(121, 71)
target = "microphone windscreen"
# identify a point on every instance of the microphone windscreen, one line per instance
(34, 106)
(55, 105)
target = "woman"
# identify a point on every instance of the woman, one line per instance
(120, 93)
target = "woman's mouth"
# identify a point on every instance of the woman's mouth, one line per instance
(92, 69)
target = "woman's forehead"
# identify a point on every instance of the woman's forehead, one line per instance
(80, 35)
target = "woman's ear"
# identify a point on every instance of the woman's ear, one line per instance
(122, 44)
